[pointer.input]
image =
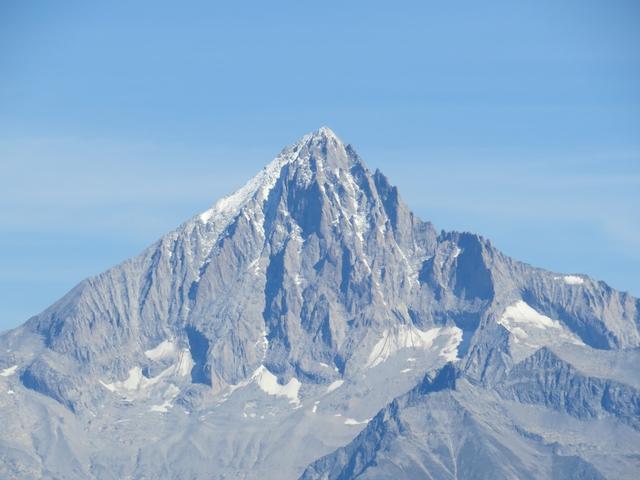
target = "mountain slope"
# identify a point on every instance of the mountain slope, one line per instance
(447, 427)
(263, 334)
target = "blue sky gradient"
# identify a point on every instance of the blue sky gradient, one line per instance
(119, 120)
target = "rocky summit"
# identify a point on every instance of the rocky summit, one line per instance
(311, 326)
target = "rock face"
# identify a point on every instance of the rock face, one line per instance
(259, 338)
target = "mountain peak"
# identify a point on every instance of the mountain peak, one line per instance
(322, 147)
(325, 132)
(301, 306)
(324, 139)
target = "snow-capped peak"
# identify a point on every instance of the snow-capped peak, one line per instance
(228, 207)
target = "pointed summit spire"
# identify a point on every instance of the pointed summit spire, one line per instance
(322, 136)
(323, 148)
(325, 132)
(326, 148)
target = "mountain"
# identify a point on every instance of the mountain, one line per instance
(311, 325)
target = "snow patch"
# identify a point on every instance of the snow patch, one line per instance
(406, 370)
(185, 363)
(334, 386)
(137, 384)
(164, 350)
(408, 336)
(162, 408)
(353, 421)
(450, 350)
(573, 280)
(136, 381)
(7, 372)
(521, 313)
(526, 325)
(169, 395)
(268, 383)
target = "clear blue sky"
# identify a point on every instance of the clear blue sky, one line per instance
(119, 120)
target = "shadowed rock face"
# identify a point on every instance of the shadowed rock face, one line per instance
(262, 334)
(545, 379)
